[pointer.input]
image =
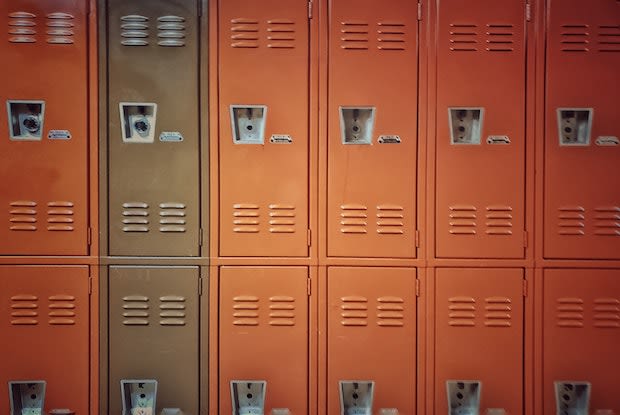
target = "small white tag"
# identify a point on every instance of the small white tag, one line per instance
(281, 139)
(59, 135)
(171, 136)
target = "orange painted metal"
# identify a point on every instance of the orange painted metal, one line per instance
(582, 187)
(45, 332)
(371, 186)
(263, 188)
(44, 187)
(264, 334)
(480, 186)
(581, 324)
(479, 329)
(371, 334)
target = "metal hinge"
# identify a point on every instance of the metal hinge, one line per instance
(419, 11)
(525, 239)
(200, 236)
(417, 239)
(525, 288)
(90, 285)
(417, 288)
(89, 236)
(310, 9)
(528, 12)
(309, 286)
(199, 286)
(309, 237)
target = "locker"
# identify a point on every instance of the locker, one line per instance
(371, 339)
(480, 128)
(153, 137)
(44, 124)
(479, 333)
(582, 196)
(263, 336)
(372, 128)
(263, 127)
(154, 334)
(45, 329)
(581, 333)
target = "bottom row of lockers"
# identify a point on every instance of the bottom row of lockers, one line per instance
(155, 318)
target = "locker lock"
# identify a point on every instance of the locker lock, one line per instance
(32, 124)
(248, 397)
(27, 397)
(572, 397)
(356, 397)
(463, 397)
(141, 124)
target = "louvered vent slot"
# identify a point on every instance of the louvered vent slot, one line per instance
(574, 38)
(171, 31)
(246, 218)
(609, 38)
(391, 36)
(281, 34)
(24, 310)
(134, 30)
(60, 216)
(281, 218)
(571, 220)
(281, 311)
(390, 220)
(172, 310)
(245, 310)
(569, 312)
(62, 310)
(172, 217)
(499, 220)
(463, 37)
(244, 33)
(136, 310)
(354, 35)
(23, 215)
(607, 221)
(59, 29)
(607, 313)
(353, 218)
(500, 38)
(498, 312)
(135, 217)
(462, 220)
(22, 27)
(390, 312)
(462, 311)
(354, 311)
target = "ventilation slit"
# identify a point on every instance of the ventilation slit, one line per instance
(60, 216)
(171, 31)
(353, 218)
(244, 33)
(246, 218)
(391, 36)
(607, 221)
(354, 35)
(500, 38)
(172, 310)
(281, 34)
(136, 310)
(23, 215)
(134, 30)
(571, 220)
(463, 37)
(354, 311)
(498, 312)
(135, 217)
(569, 312)
(60, 29)
(499, 220)
(574, 38)
(22, 27)
(24, 310)
(172, 217)
(62, 310)
(462, 220)
(245, 310)
(462, 311)
(390, 312)
(281, 311)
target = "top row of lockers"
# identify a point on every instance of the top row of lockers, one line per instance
(372, 129)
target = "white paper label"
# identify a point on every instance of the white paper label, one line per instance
(171, 136)
(498, 139)
(281, 139)
(607, 140)
(59, 135)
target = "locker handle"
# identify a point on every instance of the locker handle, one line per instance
(281, 411)
(607, 141)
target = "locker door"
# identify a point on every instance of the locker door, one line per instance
(581, 333)
(480, 175)
(582, 186)
(154, 321)
(371, 334)
(264, 334)
(153, 137)
(479, 335)
(43, 124)
(263, 119)
(45, 333)
(372, 136)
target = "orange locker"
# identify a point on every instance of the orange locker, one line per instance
(44, 121)
(581, 324)
(45, 329)
(371, 339)
(582, 186)
(479, 333)
(263, 339)
(480, 149)
(372, 128)
(263, 120)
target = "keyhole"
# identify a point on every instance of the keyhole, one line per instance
(249, 128)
